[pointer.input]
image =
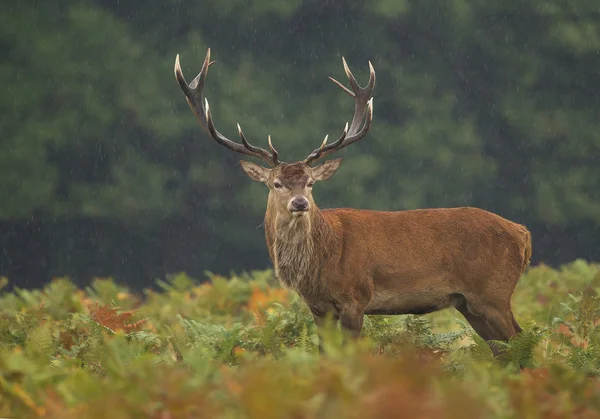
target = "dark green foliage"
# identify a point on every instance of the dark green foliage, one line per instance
(476, 104)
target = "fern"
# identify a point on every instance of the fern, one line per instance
(40, 341)
(480, 350)
(584, 360)
(446, 340)
(266, 337)
(587, 356)
(149, 341)
(594, 343)
(201, 352)
(520, 350)
(382, 329)
(304, 342)
(215, 339)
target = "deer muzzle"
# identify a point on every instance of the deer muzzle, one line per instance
(298, 205)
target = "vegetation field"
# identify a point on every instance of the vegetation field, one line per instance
(242, 347)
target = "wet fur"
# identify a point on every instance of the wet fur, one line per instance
(293, 250)
(297, 258)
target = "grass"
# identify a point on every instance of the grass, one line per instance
(242, 347)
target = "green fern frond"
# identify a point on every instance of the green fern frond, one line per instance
(520, 351)
(303, 341)
(149, 341)
(40, 341)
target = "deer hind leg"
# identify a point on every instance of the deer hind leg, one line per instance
(515, 324)
(479, 324)
(490, 322)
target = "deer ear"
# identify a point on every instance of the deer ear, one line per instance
(254, 171)
(326, 169)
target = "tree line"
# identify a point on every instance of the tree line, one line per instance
(105, 171)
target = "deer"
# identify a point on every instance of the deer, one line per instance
(347, 263)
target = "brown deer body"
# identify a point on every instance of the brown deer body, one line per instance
(351, 262)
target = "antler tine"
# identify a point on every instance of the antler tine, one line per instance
(344, 88)
(319, 150)
(350, 76)
(274, 155)
(274, 152)
(339, 140)
(324, 147)
(243, 137)
(363, 105)
(199, 105)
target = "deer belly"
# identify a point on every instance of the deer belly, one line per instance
(392, 303)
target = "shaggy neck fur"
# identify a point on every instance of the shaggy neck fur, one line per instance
(298, 248)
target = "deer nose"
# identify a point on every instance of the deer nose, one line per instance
(299, 203)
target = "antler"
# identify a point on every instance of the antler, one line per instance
(199, 105)
(362, 100)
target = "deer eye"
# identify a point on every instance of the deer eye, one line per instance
(277, 185)
(310, 184)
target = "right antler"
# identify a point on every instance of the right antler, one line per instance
(362, 100)
(199, 105)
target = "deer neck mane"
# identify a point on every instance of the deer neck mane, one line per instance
(297, 247)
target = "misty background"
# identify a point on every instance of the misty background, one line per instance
(104, 170)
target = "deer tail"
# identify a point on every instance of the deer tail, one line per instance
(526, 250)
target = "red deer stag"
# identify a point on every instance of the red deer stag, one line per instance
(352, 262)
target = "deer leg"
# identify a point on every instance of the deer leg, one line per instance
(489, 323)
(319, 321)
(514, 323)
(319, 318)
(502, 323)
(352, 321)
(479, 324)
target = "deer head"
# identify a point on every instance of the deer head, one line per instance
(290, 185)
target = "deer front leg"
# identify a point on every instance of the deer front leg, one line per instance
(352, 321)
(319, 317)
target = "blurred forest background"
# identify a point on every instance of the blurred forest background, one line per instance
(104, 170)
